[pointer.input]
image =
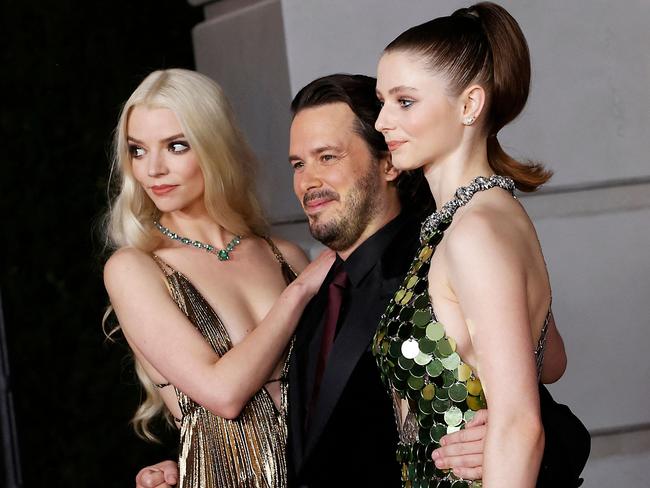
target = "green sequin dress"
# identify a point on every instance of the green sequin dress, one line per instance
(418, 362)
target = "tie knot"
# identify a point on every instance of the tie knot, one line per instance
(340, 278)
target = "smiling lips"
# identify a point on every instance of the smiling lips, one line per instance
(393, 145)
(314, 202)
(317, 204)
(162, 189)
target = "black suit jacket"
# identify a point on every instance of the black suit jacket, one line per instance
(351, 429)
(351, 435)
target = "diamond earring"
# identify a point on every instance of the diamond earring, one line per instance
(469, 120)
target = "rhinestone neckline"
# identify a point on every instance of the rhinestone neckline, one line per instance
(463, 195)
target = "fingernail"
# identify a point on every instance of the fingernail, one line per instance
(440, 463)
(443, 441)
(435, 455)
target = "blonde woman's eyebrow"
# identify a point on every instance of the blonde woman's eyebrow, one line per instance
(133, 139)
(180, 135)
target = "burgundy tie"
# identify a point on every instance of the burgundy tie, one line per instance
(334, 300)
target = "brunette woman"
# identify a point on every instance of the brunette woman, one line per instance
(471, 325)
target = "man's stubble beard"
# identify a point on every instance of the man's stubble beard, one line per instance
(342, 231)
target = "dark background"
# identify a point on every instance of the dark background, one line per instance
(66, 67)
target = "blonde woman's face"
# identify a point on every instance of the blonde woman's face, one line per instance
(163, 161)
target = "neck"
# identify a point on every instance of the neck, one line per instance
(387, 212)
(457, 169)
(196, 225)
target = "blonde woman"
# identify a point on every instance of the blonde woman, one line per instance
(200, 294)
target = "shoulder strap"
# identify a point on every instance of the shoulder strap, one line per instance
(541, 342)
(170, 281)
(287, 271)
(165, 268)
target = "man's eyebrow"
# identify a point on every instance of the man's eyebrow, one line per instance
(317, 150)
(327, 147)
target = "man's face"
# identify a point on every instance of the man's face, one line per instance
(335, 176)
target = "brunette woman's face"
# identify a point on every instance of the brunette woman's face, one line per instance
(162, 160)
(420, 121)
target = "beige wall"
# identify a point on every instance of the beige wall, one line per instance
(587, 119)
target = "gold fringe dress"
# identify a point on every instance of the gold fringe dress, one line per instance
(248, 451)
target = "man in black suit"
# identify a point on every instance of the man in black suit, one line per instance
(341, 427)
(343, 177)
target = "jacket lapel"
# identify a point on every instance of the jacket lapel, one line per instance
(348, 348)
(300, 376)
(351, 343)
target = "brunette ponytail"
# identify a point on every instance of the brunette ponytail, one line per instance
(509, 92)
(482, 44)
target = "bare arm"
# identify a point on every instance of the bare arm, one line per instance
(487, 275)
(462, 451)
(158, 331)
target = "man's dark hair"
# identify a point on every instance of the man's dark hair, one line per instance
(359, 93)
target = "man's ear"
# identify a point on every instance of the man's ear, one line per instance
(388, 171)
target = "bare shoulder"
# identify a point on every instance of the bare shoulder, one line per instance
(126, 264)
(492, 228)
(293, 253)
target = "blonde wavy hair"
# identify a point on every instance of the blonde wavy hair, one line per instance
(227, 163)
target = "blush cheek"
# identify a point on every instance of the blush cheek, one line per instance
(199, 185)
(195, 175)
(140, 182)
